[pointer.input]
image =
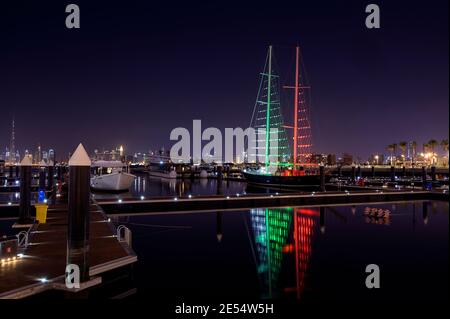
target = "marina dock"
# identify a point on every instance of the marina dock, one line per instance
(41, 265)
(208, 203)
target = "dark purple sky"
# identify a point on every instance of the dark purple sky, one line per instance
(137, 69)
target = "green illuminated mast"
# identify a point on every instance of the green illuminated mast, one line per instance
(269, 80)
(267, 118)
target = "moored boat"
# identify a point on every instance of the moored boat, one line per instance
(111, 176)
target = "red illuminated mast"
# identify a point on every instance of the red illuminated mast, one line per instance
(305, 127)
(297, 50)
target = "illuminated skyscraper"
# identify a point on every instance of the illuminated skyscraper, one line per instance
(12, 146)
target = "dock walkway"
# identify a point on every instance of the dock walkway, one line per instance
(42, 266)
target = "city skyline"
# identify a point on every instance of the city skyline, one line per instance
(131, 80)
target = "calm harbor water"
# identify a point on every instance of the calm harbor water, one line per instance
(149, 186)
(306, 253)
(301, 253)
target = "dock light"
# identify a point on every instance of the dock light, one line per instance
(16, 195)
(175, 199)
(237, 194)
(119, 201)
(45, 201)
(3, 260)
(228, 197)
(19, 255)
(142, 197)
(190, 196)
(271, 195)
(109, 220)
(276, 193)
(9, 203)
(17, 182)
(43, 280)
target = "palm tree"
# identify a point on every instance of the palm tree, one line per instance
(402, 146)
(444, 144)
(433, 144)
(392, 148)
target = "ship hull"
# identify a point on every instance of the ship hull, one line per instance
(282, 181)
(114, 182)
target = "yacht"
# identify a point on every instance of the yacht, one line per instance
(111, 176)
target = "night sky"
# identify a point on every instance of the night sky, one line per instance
(137, 69)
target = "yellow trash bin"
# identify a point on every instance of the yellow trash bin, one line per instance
(41, 213)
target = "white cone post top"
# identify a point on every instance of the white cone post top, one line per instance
(26, 161)
(80, 157)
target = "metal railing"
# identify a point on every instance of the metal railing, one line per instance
(124, 234)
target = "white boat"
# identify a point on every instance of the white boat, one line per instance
(163, 174)
(111, 176)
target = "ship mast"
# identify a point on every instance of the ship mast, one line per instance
(297, 86)
(296, 106)
(268, 107)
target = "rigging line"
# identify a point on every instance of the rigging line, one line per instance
(159, 226)
(308, 98)
(259, 90)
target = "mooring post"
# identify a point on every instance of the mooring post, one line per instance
(433, 173)
(219, 180)
(373, 171)
(392, 174)
(50, 175)
(353, 174)
(10, 175)
(404, 171)
(58, 173)
(424, 177)
(79, 215)
(322, 178)
(358, 171)
(25, 192)
(17, 171)
(219, 173)
(42, 178)
(193, 170)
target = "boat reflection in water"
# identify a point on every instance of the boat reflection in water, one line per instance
(271, 229)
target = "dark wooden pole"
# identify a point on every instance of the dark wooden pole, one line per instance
(79, 215)
(50, 176)
(433, 173)
(25, 192)
(322, 178)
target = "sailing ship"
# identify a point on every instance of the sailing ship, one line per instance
(282, 170)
